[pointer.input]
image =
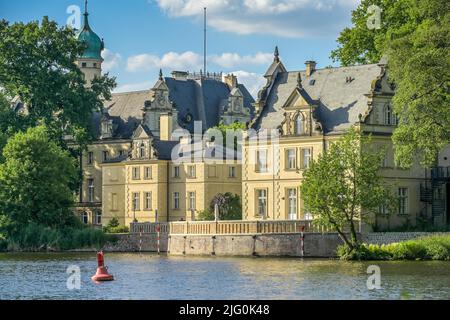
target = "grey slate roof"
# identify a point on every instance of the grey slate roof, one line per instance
(199, 98)
(339, 103)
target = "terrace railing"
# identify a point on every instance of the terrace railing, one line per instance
(230, 227)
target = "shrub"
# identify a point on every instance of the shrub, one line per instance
(35, 237)
(427, 248)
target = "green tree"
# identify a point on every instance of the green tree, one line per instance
(35, 181)
(414, 37)
(37, 64)
(232, 131)
(343, 186)
(230, 208)
(419, 65)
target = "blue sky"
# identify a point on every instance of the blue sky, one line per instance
(143, 35)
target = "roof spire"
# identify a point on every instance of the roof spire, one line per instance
(277, 55)
(160, 75)
(86, 14)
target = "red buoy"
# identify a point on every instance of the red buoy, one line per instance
(102, 271)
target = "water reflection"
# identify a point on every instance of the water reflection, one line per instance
(147, 276)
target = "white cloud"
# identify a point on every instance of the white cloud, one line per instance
(252, 81)
(288, 18)
(111, 60)
(234, 60)
(190, 61)
(176, 61)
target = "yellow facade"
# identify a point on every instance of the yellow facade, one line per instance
(143, 189)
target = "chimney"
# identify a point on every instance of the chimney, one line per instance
(180, 75)
(165, 126)
(310, 68)
(230, 80)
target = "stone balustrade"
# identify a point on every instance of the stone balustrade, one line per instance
(229, 227)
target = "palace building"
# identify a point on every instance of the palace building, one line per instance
(314, 107)
(128, 172)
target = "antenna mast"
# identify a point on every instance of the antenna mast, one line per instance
(204, 43)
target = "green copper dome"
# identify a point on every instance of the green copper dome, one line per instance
(94, 44)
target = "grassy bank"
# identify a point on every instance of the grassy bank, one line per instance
(34, 238)
(427, 248)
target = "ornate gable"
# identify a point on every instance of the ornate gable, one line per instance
(300, 118)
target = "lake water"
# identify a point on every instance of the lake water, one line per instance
(151, 277)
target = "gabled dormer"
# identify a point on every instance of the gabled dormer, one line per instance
(159, 105)
(300, 118)
(106, 125)
(142, 143)
(234, 110)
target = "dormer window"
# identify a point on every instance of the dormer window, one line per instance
(299, 130)
(142, 150)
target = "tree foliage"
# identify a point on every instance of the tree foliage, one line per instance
(343, 186)
(230, 208)
(35, 181)
(37, 64)
(414, 36)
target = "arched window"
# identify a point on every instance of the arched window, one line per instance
(142, 150)
(299, 125)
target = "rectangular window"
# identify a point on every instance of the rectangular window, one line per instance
(261, 196)
(291, 159)
(232, 172)
(91, 195)
(176, 200)
(136, 201)
(306, 158)
(191, 197)
(261, 161)
(121, 153)
(98, 218)
(292, 204)
(136, 173)
(403, 198)
(148, 173)
(191, 172)
(148, 201)
(105, 156)
(90, 158)
(176, 172)
(83, 64)
(114, 201)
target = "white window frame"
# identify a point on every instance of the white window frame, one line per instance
(291, 159)
(91, 190)
(306, 158)
(90, 158)
(262, 162)
(261, 202)
(148, 174)
(136, 173)
(192, 200)
(176, 171)
(192, 171)
(176, 201)
(292, 203)
(148, 201)
(136, 198)
(403, 198)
